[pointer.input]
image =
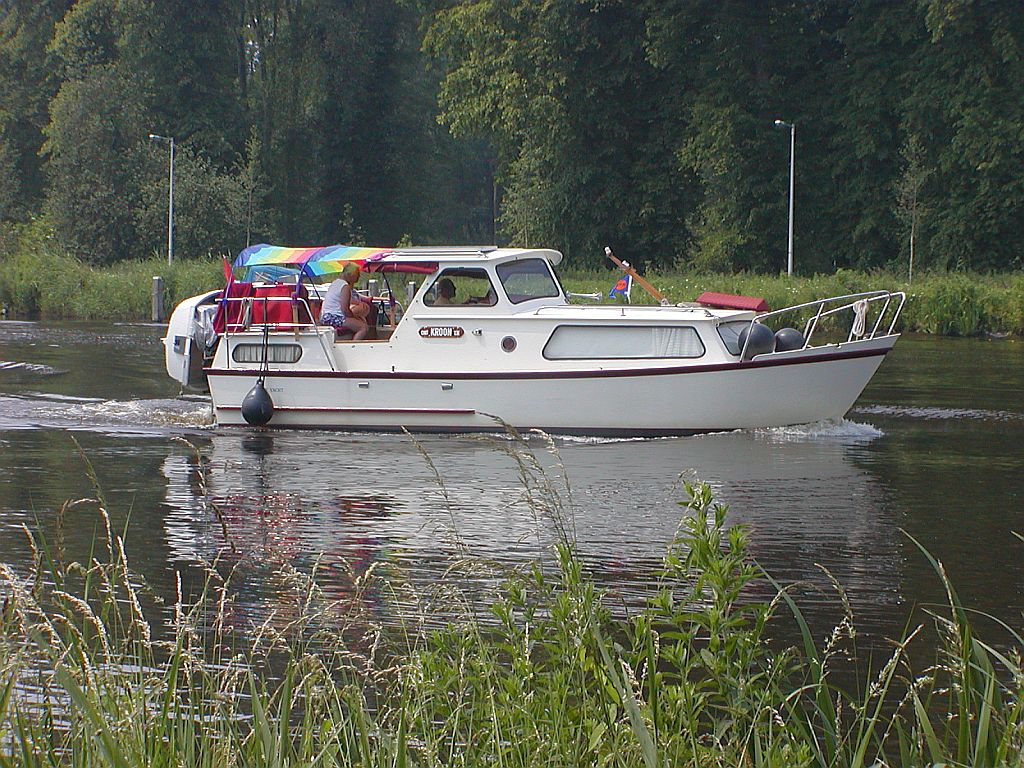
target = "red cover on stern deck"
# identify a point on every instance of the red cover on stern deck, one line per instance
(732, 301)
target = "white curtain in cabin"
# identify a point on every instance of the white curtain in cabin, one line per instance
(574, 342)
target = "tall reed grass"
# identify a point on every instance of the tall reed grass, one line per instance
(38, 278)
(944, 304)
(549, 677)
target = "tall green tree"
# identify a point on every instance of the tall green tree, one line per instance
(186, 55)
(863, 113)
(27, 83)
(131, 67)
(347, 117)
(966, 105)
(96, 164)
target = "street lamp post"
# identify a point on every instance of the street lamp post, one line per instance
(792, 173)
(170, 197)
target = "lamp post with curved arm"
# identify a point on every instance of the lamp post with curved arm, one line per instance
(792, 172)
(170, 197)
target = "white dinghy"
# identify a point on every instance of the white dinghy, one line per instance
(467, 338)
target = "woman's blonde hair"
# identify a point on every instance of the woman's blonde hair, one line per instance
(350, 269)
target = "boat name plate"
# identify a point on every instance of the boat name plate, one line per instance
(441, 332)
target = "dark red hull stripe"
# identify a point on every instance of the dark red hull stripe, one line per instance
(574, 431)
(432, 411)
(514, 375)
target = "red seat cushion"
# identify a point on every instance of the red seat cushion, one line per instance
(229, 312)
(273, 304)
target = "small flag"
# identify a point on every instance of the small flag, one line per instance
(622, 288)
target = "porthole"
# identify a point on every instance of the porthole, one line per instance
(508, 343)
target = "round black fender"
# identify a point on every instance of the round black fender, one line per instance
(788, 339)
(257, 407)
(762, 340)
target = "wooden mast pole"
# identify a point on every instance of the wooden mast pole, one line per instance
(625, 267)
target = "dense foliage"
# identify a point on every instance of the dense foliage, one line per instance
(645, 124)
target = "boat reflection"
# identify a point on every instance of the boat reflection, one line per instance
(343, 505)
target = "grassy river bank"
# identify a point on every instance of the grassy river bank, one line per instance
(546, 674)
(37, 280)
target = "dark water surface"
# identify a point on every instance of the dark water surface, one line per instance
(935, 447)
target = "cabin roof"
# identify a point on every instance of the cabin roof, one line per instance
(464, 254)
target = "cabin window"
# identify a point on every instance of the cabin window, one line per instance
(527, 279)
(730, 334)
(276, 353)
(461, 286)
(623, 342)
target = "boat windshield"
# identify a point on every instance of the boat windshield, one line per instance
(270, 273)
(528, 279)
(461, 286)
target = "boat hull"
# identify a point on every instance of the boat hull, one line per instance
(772, 390)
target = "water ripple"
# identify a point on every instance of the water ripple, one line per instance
(40, 411)
(925, 412)
(36, 368)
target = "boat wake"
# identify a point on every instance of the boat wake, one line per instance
(39, 410)
(36, 368)
(594, 440)
(925, 412)
(840, 430)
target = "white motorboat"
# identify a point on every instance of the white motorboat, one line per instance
(474, 338)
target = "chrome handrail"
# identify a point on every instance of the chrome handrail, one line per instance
(245, 322)
(851, 300)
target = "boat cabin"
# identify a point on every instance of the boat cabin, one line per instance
(422, 281)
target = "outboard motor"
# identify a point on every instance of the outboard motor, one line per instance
(788, 340)
(762, 340)
(189, 335)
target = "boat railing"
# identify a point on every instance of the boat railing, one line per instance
(885, 305)
(245, 320)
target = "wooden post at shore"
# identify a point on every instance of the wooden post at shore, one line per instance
(157, 315)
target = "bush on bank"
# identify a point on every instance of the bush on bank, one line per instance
(38, 279)
(552, 678)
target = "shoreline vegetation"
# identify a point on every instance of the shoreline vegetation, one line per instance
(550, 676)
(38, 279)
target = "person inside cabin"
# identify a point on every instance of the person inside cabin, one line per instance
(488, 299)
(445, 291)
(342, 306)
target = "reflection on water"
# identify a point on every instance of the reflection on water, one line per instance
(932, 447)
(352, 502)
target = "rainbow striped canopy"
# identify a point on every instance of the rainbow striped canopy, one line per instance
(313, 262)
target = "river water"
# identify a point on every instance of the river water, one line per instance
(934, 447)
